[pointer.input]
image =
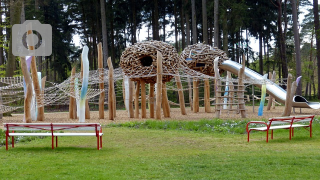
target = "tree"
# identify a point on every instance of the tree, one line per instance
(194, 23)
(15, 10)
(104, 32)
(204, 22)
(155, 25)
(216, 26)
(296, 43)
(317, 30)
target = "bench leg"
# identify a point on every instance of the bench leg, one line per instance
(12, 140)
(52, 143)
(267, 135)
(100, 142)
(6, 141)
(290, 131)
(56, 141)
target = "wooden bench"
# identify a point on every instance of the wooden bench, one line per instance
(289, 122)
(53, 130)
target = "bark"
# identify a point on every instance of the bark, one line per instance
(187, 26)
(134, 22)
(175, 9)
(15, 10)
(112, 35)
(104, 31)
(204, 22)
(194, 23)
(1, 44)
(296, 44)
(216, 26)
(183, 35)
(317, 30)
(155, 26)
(225, 33)
(282, 42)
(260, 54)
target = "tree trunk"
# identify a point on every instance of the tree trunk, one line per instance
(225, 33)
(216, 27)
(317, 30)
(15, 10)
(296, 44)
(134, 19)
(1, 43)
(112, 34)
(183, 35)
(260, 54)
(175, 9)
(155, 26)
(282, 41)
(104, 32)
(187, 25)
(194, 23)
(204, 22)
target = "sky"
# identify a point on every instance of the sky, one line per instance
(254, 43)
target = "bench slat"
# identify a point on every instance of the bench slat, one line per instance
(289, 122)
(54, 134)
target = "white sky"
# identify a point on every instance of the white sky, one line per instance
(254, 43)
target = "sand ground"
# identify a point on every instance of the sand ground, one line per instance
(122, 115)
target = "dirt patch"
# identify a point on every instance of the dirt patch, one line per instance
(122, 115)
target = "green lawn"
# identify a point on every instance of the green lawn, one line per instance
(130, 153)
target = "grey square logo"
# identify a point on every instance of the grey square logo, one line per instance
(40, 38)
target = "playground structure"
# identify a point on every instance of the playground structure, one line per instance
(142, 64)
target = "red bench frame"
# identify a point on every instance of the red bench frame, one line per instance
(292, 122)
(53, 127)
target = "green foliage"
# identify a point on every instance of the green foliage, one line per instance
(203, 126)
(3, 70)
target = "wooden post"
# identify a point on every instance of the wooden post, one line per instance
(195, 95)
(34, 74)
(190, 93)
(288, 103)
(272, 77)
(165, 102)
(72, 105)
(217, 86)
(131, 87)
(143, 99)
(159, 85)
(28, 95)
(181, 96)
(41, 109)
(151, 100)
(136, 100)
(207, 95)
(101, 81)
(241, 89)
(110, 90)
(231, 89)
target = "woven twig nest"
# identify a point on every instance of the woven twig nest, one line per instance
(139, 61)
(200, 57)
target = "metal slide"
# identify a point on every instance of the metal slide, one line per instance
(273, 89)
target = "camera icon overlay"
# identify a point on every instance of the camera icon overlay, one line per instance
(41, 39)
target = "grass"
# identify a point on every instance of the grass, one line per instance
(148, 152)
